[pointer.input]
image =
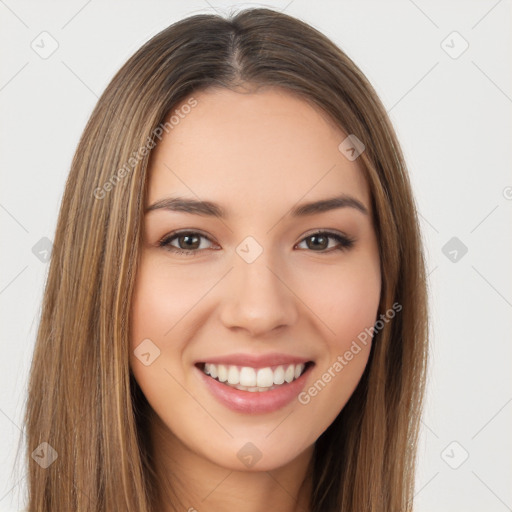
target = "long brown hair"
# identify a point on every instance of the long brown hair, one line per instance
(82, 398)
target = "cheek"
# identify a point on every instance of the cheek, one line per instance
(160, 303)
(154, 314)
(162, 297)
(345, 298)
(351, 310)
(355, 300)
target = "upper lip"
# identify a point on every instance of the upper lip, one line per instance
(255, 361)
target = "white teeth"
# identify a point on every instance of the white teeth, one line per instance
(247, 376)
(252, 379)
(265, 378)
(279, 375)
(233, 375)
(253, 389)
(222, 373)
(289, 374)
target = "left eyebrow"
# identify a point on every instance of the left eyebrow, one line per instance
(209, 208)
(325, 205)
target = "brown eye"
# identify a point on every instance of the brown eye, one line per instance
(319, 241)
(187, 242)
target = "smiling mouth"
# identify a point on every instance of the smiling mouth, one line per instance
(246, 378)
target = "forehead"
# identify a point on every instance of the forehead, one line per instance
(252, 149)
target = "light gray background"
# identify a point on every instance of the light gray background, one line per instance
(453, 119)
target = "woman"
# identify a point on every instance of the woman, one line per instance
(235, 312)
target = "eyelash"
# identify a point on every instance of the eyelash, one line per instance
(344, 241)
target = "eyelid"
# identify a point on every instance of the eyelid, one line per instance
(327, 231)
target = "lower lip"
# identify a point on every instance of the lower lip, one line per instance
(255, 402)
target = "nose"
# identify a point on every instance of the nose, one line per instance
(258, 299)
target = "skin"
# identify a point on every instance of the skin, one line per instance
(257, 154)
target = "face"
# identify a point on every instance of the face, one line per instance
(249, 285)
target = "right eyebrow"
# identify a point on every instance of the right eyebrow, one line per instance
(181, 204)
